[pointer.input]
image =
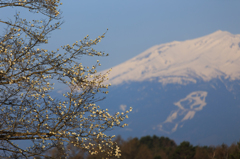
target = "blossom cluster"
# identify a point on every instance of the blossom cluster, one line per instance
(28, 111)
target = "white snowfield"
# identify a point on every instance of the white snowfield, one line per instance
(186, 109)
(212, 56)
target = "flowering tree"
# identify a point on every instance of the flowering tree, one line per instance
(27, 110)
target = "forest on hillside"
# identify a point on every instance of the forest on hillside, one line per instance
(154, 147)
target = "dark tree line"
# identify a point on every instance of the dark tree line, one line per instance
(154, 147)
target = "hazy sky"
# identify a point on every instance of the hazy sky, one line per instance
(136, 25)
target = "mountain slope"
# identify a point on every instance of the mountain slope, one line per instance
(187, 90)
(212, 56)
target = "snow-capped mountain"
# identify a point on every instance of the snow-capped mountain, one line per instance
(208, 57)
(187, 90)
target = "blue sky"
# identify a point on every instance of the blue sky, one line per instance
(136, 25)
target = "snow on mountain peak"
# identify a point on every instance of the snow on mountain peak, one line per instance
(212, 56)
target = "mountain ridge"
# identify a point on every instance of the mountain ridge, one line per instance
(184, 61)
(186, 90)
